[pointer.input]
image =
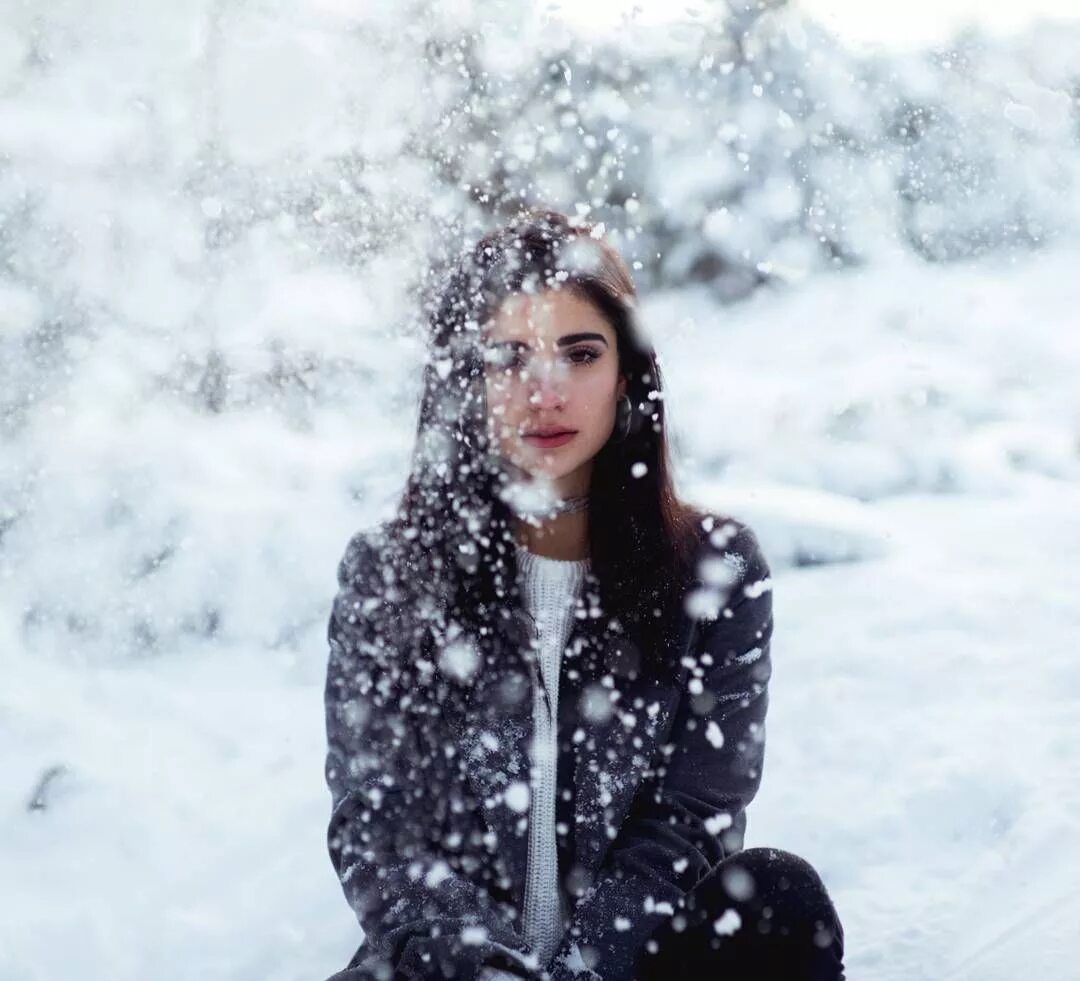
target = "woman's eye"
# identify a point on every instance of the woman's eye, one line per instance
(514, 360)
(584, 355)
(503, 360)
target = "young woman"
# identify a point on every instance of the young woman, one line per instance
(547, 684)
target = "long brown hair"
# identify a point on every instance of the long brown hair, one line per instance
(453, 535)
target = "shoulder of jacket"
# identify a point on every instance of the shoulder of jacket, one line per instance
(362, 556)
(728, 539)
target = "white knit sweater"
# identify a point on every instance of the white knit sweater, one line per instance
(550, 590)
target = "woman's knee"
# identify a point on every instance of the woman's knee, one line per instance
(773, 888)
(772, 870)
(762, 912)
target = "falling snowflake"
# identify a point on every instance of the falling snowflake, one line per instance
(438, 871)
(728, 923)
(473, 935)
(517, 797)
(717, 823)
(459, 660)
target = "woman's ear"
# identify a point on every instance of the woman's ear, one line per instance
(620, 389)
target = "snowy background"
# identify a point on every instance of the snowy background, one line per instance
(860, 271)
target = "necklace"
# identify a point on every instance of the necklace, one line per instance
(566, 505)
(531, 502)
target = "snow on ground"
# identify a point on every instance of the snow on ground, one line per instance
(906, 440)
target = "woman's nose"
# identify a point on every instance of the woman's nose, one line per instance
(548, 387)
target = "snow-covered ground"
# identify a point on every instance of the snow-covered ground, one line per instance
(906, 440)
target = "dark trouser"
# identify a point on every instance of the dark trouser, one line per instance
(762, 913)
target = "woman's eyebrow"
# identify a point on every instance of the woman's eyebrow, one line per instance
(564, 341)
(567, 339)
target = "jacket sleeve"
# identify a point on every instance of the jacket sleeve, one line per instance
(401, 875)
(692, 814)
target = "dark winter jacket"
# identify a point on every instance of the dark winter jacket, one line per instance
(659, 765)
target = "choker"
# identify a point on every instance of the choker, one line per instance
(566, 505)
(531, 503)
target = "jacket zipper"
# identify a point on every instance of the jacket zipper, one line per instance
(537, 671)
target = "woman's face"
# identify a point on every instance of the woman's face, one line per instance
(552, 366)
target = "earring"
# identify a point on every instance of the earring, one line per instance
(624, 412)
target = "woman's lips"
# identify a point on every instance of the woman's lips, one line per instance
(546, 442)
